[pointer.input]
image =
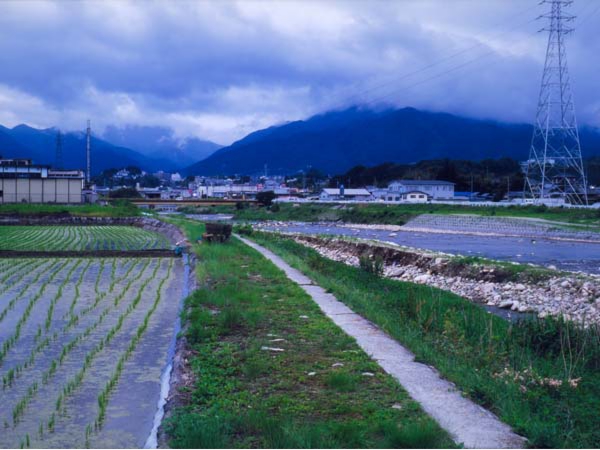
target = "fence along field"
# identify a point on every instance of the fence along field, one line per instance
(79, 238)
(75, 334)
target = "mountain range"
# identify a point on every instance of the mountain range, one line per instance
(150, 148)
(337, 141)
(332, 142)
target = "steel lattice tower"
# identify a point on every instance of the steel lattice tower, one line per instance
(88, 155)
(555, 166)
(59, 152)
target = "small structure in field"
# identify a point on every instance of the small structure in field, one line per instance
(217, 232)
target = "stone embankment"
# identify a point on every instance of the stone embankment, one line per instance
(545, 292)
(173, 233)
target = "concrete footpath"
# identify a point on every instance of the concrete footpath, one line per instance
(467, 422)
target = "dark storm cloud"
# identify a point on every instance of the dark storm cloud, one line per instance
(218, 70)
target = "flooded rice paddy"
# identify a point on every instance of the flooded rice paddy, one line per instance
(83, 344)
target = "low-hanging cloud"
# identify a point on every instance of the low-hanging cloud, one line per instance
(219, 70)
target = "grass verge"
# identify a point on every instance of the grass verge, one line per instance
(540, 376)
(117, 209)
(271, 371)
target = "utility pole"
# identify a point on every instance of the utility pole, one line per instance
(471, 196)
(555, 165)
(88, 151)
(59, 156)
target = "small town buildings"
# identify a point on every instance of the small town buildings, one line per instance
(436, 190)
(153, 193)
(24, 182)
(232, 191)
(332, 194)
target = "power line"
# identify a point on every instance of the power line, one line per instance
(439, 61)
(451, 69)
(589, 16)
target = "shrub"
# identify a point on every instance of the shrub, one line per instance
(265, 198)
(245, 230)
(370, 264)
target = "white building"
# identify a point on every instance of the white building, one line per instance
(242, 191)
(414, 197)
(436, 190)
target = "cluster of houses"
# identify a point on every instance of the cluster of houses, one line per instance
(402, 191)
(411, 191)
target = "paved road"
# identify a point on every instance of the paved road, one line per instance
(575, 256)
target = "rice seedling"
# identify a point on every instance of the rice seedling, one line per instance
(24, 289)
(10, 342)
(70, 237)
(67, 348)
(104, 395)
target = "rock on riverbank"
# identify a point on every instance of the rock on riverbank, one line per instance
(574, 296)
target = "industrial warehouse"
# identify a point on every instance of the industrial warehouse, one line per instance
(24, 182)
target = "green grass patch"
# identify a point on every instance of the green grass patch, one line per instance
(117, 209)
(540, 376)
(250, 394)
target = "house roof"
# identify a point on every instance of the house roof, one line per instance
(348, 192)
(424, 183)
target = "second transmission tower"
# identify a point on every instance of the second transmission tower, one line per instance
(554, 169)
(88, 154)
(59, 151)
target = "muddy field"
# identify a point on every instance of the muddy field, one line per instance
(83, 344)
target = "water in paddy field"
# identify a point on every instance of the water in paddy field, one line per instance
(50, 418)
(573, 256)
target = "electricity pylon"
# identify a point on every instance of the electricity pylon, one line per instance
(88, 154)
(555, 166)
(59, 152)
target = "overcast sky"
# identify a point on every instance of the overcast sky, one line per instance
(219, 70)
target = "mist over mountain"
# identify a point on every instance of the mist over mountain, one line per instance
(159, 143)
(336, 141)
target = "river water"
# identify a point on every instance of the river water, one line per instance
(566, 255)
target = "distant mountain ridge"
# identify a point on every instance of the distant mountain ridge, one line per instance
(337, 141)
(159, 143)
(24, 141)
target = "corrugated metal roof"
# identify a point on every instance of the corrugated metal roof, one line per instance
(423, 183)
(347, 192)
